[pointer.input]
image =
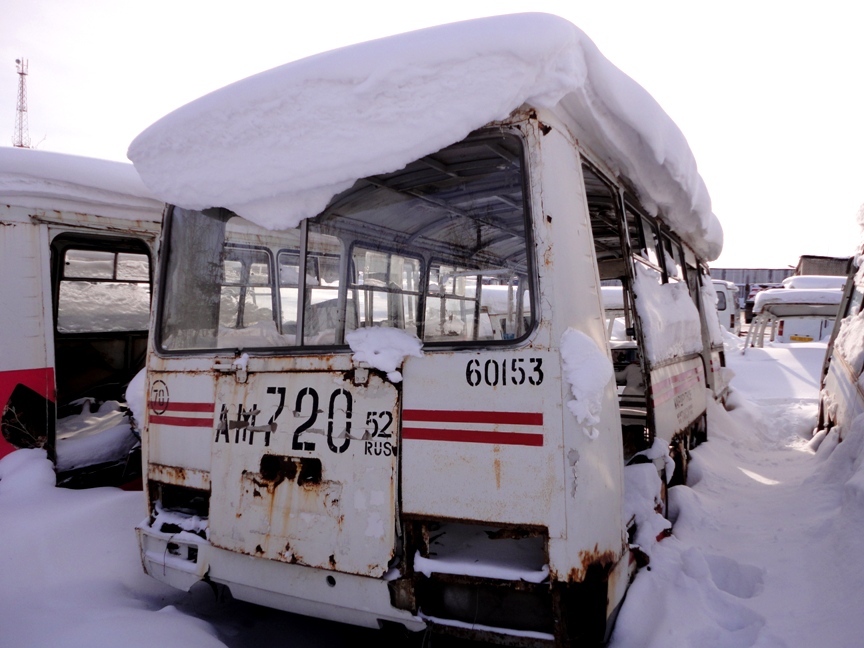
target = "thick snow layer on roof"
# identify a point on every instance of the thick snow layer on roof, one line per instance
(796, 296)
(725, 284)
(47, 180)
(613, 297)
(814, 281)
(277, 146)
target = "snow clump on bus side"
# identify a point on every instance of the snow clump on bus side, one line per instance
(384, 349)
(588, 370)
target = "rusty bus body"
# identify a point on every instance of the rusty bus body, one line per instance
(476, 485)
(77, 238)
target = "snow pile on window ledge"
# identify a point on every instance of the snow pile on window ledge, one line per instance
(588, 370)
(384, 349)
(275, 147)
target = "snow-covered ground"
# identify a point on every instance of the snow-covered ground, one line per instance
(765, 548)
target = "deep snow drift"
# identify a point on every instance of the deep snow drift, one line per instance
(765, 548)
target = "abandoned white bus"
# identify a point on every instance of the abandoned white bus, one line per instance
(381, 390)
(77, 237)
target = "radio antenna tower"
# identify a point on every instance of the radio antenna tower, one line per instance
(21, 139)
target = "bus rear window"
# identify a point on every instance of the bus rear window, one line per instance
(439, 249)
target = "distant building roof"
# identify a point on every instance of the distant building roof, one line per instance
(810, 264)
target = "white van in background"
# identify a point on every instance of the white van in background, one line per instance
(381, 387)
(77, 240)
(728, 305)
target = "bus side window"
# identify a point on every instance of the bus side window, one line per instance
(246, 297)
(386, 288)
(651, 251)
(289, 278)
(672, 258)
(102, 291)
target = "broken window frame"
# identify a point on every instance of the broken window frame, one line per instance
(512, 236)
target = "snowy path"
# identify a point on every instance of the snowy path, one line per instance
(762, 552)
(766, 548)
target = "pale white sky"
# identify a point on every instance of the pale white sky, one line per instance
(767, 93)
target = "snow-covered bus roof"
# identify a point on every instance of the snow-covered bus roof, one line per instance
(613, 297)
(56, 181)
(723, 282)
(814, 281)
(786, 301)
(277, 146)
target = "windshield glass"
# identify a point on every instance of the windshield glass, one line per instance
(439, 249)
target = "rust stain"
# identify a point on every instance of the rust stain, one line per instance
(172, 475)
(589, 560)
(497, 465)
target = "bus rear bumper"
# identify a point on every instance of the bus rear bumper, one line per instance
(181, 560)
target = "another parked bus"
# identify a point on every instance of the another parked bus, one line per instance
(77, 237)
(381, 386)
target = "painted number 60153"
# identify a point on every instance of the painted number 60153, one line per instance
(510, 371)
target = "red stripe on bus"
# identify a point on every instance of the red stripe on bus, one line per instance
(471, 416)
(40, 380)
(473, 436)
(182, 407)
(181, 421)
(667, 383)
(679, 387)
